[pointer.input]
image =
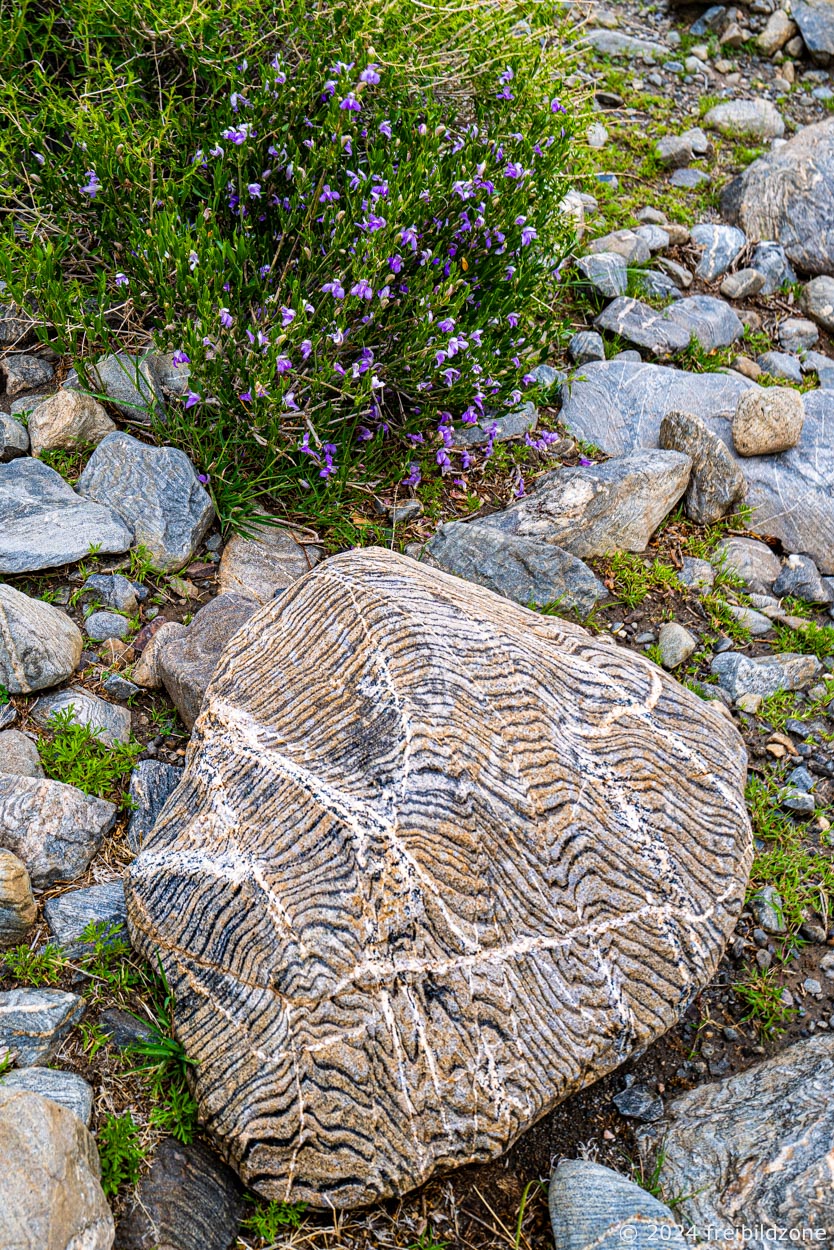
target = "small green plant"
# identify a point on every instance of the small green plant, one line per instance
(270, 1219)
(120, 1152)
(4, 696)
(43, 967)
(654, 654)
(68, 463)
(812, 639)
(141, 564)
(766, 1008)
(110, 962)
(428, 1241)
(79, 756)
(632, 578)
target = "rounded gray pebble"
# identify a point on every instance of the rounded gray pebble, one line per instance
(103, 625)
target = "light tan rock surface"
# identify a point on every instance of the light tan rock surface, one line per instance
(270, 559)
(435, 863)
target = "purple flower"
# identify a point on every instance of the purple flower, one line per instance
(585, 462)
(504, 94)
(513, 170)
(362, 289)
(237, 134)
(350, 103)
(226, 319)
(192, 399)
(446, 326)
(385, 129)
(283, 364)
(519, 490)
(306, 349)
(369, 75)
(334, 288)
(289, 401)
(327, 196)
(443, 460)
(395, 263)
(254, 189)
(329, 89)
(363, 434)
(92, 185)
(246, 396)
(527, 235)
(556, 107)
(409, 236)
(193, 261)
(413, 478)
(122, 279)
(513, 319)
(180, 358)
(263, 271)
(287, 316)
(203, 477)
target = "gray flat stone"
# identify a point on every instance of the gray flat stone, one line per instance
(797, 335)
(22, 372)
(751, 119)
(615, 43)
(606, 271)
(799, 577)
(696, 574)
(721, 245)
(743, 284)
(593, 1206)
(619, 407)
(66, 1088)
(44, 523)
(716, 484)
(709, 320)
(739, 674)
(815, 19)
(156, 491)
(627, 243)
(269, 558)
(151, 783)
(754, 562)
(689, 179)
(68, 914)
(586, 345)
(109, 590)
(787, 195)
(780, 365)
(103, 625)
(110, 722)
(33, 1022)
(674, 151)
(654, 285)
(14, 438)
(53, 828)
(528, 572)
(712, 322)
(588, 511)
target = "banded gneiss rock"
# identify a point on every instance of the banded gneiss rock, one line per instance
(436, 862)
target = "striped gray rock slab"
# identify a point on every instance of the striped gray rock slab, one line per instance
(815, 19)
(710, 321)
(787, 196)
(436, 862)
(528, 572)
(44, 524)
(128, 381)
(156, 491)
(151, 784)
(69, 914)
(106, 720)
(595, 1208)
(33, 1022)
(756, 1149)
(619, 406)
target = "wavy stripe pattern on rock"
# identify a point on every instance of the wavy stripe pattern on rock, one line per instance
(436, 862)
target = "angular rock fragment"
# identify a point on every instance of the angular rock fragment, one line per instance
(50, 1190)
(589, 511)
(44, 524)
(607, 271)
(40, 646)
(128, 381)
(69, 420)
(593, 1206)
(815, 19)
(799, 576)
(388, 765)
(532, 573)
(18, 909)
(268, 559)
(186, 663)
(53, 828)
(716, 484)
(739, 674)
(818, 301)
(786, 196)
(151, 784)
(24, 373)
(752, 119)
(768, 421)
(721, 245)
(19, 754)
(156, 491)
(14, 438)
(753, 561)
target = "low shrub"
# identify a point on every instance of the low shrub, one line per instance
(341, 220)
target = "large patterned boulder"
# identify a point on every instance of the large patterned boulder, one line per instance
(435, 863)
